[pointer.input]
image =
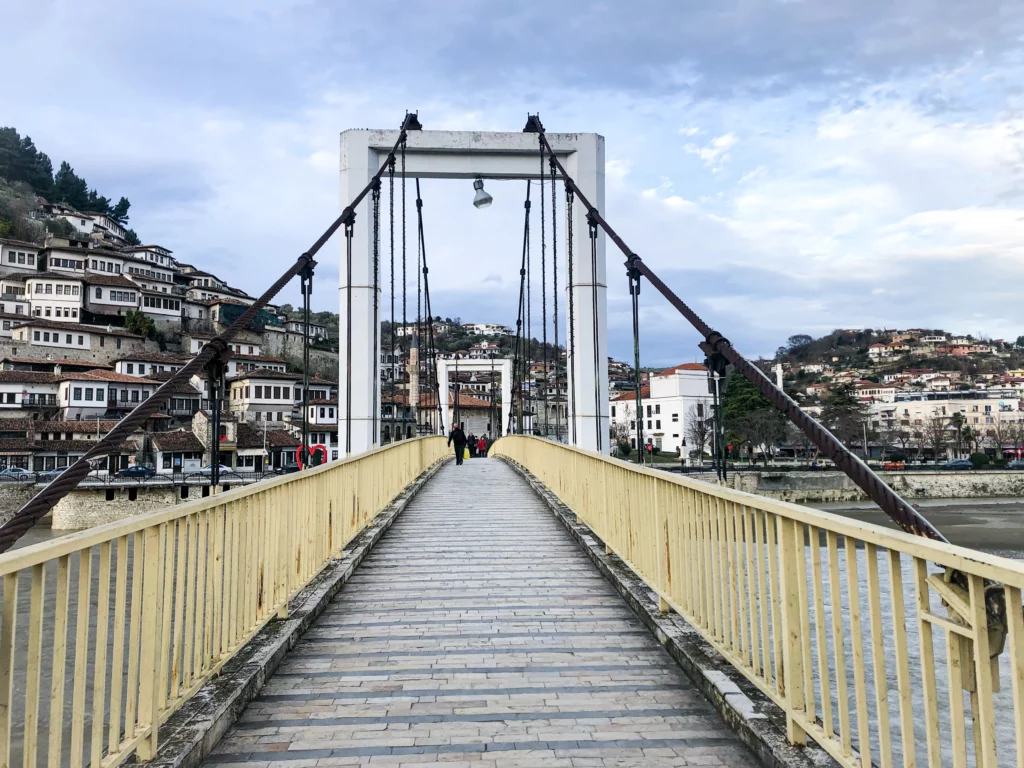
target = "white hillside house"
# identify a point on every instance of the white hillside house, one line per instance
(672, 399)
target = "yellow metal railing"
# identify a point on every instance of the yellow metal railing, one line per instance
(106, 632)
(884, 665)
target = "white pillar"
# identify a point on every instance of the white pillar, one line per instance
(358, 164)
(506, 397)
(588, 384)
(442, 382)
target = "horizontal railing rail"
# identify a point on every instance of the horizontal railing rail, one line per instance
(851, 628)
(104, 633)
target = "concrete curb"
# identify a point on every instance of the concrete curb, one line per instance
(757, 720)
(193, 731)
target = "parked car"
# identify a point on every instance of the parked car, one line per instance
(1016, 464)
(287, 469)
(958, 464)
(49, 477)
(16, 474)
(894, 465)
(137, 471)
(226, 473)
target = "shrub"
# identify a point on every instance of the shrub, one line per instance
(979, 460)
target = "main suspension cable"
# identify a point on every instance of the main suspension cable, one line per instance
(217, 348)
(714, 342)
(517, 362)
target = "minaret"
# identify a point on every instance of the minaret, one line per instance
(413, 369)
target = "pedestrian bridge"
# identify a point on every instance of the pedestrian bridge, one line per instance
(396, 608)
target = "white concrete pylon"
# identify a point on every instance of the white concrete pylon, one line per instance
(472, 155)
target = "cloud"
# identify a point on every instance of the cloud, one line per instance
(879, 179)
(715, 152)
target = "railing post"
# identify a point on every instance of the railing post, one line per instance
(664, 567)
(790, 535)
(152, 614)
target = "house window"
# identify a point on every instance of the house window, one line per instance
(74, 290)
(277, 393)
(657, 424)
(68, 339)
(35, 335)
(81, 341)
(613, 411)
(135, 395)
(648, 410)
(77, 393)
(88, 393)
(675, 417)
(322, 412)
(130, 368)
(49, 288)
(258, 392)
(657, 408)
(649, 424)
(46, 336)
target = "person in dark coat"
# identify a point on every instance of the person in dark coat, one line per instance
(472, 445)
(458, 437)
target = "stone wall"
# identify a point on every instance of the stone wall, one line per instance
(13, 496)
(86, 508)
(104, 354)
(289, 347)
(821, 487)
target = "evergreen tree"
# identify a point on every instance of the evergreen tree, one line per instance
(131, 238)
(70, 188)
(120, 211)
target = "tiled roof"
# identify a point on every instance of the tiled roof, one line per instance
(322, 401)
(56, 361)
(36, 322)
(118, 281)
(152, 357)
(27, 377)
(250, 437)
(106, 376)
(631, 395)
(178, 440)
(81, 427)
(54, 276)
(264, 373)
(683, 367)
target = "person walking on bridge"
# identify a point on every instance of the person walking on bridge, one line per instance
(481, 446)
(458, 437)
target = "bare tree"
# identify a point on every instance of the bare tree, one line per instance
(620, 431)
(698, 429)
(999, 434)
(936, 435)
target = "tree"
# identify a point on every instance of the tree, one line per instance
(844, 415)
(750, 417)
(699, 427)
(957, 421)
(936, 435)
(131, 238)
(21, 161)
(619, 431)
(120, 211)
(70, 188)
(137, 322)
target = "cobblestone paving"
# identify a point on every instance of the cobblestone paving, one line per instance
(477, 634)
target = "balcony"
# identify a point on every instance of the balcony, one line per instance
(39, 401)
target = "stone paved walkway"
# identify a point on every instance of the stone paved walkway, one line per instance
(477, 634)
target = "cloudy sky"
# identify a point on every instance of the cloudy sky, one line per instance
(789, 166)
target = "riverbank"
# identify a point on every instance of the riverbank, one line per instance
(833, 487)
